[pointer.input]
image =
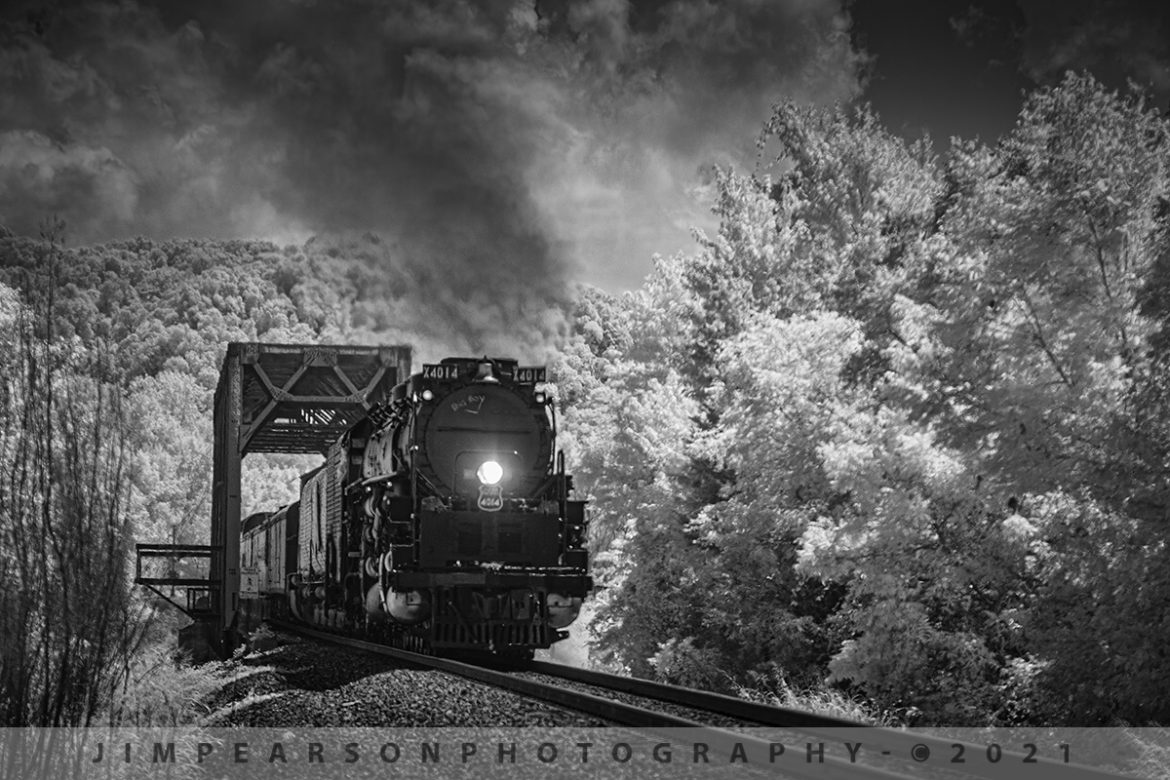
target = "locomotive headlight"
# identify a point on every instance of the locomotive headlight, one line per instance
(427, 395)
(490, 472)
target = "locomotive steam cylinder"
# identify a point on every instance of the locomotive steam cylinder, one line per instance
(407, 607)
(562, 609)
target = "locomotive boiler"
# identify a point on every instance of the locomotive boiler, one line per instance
(441, 521)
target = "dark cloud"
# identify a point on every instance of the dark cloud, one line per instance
(959, 68)
(498, 145)
(1121, 41)
(1115, 41)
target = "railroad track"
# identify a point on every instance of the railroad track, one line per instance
(731, 726)
(804, 724)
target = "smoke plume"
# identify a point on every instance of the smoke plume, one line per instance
(496, 145)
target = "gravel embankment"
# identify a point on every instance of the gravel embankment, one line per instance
(337, 692)
(302, 683)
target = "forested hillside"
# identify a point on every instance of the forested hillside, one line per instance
(109, 360)
(162, 312)
(898, 428)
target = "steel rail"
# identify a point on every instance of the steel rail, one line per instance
(722, 704)
(894, 740)
(720, 741)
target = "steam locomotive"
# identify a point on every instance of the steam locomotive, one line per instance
(440, 522)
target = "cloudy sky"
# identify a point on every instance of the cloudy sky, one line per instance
(552, 139)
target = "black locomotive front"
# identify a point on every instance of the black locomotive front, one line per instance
(444, 519)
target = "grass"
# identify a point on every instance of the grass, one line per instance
(773, 689)
(164, 689)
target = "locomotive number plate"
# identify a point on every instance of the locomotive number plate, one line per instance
(440, 371)
(491, 498)
(530, 375)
